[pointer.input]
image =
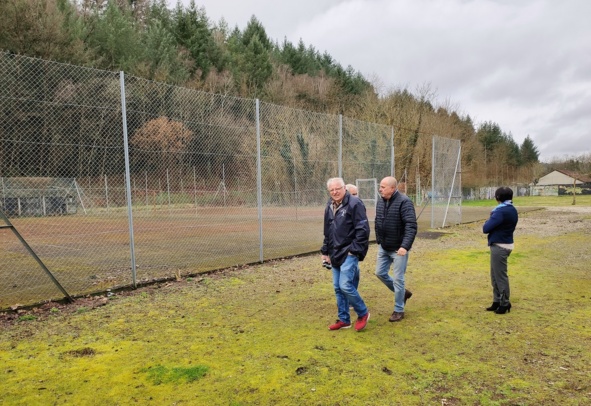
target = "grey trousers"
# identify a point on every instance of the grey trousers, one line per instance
(498, 274)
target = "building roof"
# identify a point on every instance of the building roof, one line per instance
(575, 175)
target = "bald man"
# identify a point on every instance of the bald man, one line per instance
(396, 229)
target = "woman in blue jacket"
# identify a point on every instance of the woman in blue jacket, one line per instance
(500, 227)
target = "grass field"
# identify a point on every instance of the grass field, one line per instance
(258, 335)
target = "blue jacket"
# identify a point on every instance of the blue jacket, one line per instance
(346, 231)
(501, 224)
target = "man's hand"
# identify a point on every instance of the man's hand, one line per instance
(325, 258)
(401, 251)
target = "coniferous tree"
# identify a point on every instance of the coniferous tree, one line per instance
(116, 39)
(513, 153)
(257, 66)
(254, 28)
(193, 32)
(47, 29)
(490, 136)
(74, 50)
(327, 63)
(529, 152)
(165, 62)
(287, 54)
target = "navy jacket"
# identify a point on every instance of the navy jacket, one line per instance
(501, 225)
(346, 231)
(396, 222)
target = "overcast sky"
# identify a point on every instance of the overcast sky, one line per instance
(524, 64)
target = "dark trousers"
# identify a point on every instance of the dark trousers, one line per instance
(498, 274)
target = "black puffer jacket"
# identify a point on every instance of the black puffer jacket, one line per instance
(347, 231)
(396, 222)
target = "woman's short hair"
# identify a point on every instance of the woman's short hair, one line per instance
(503, 193)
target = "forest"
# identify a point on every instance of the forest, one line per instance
(181, 46)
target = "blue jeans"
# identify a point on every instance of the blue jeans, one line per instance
(395, 284)
(356, 278)
(343, 280)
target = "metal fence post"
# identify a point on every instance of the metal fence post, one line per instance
(3, 194)
(259, 180)
(146, 188)
(127, 179)
(392, 159)
(340, 145)
(107, 193)
(433, 183)
(168, 188)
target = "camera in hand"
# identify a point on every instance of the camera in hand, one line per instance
(327, 265)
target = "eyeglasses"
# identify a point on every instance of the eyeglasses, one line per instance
(336, 189)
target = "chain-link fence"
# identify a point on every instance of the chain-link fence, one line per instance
(114, 180)
(446, 184)
(488, 192)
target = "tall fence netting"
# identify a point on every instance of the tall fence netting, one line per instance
(215, 181)
(446, 191)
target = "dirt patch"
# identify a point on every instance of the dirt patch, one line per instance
(26, 314)
(554, 221)
(18, 315)
(430, 235)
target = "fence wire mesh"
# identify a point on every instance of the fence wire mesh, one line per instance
(59, 125)
(297, 158)
(446, 192)
(198, 198)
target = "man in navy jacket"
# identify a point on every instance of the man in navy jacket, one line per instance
(346, 241)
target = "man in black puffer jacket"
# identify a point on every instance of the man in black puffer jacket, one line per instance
(396, 228)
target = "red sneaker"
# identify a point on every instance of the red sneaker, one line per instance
(362, 322)
(339, 325)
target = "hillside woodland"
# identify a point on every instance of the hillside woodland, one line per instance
(182, 46)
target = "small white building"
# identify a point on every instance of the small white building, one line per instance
(561, 177)
(560, 182)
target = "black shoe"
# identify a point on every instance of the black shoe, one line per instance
(407, 295)
(503, 309)
(493, 307)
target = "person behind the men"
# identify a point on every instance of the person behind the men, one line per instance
(346, 241)
(396, 229)
(500, 227)
(351, 188)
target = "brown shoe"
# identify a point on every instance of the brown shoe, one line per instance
(396, 316)
(407, 295)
